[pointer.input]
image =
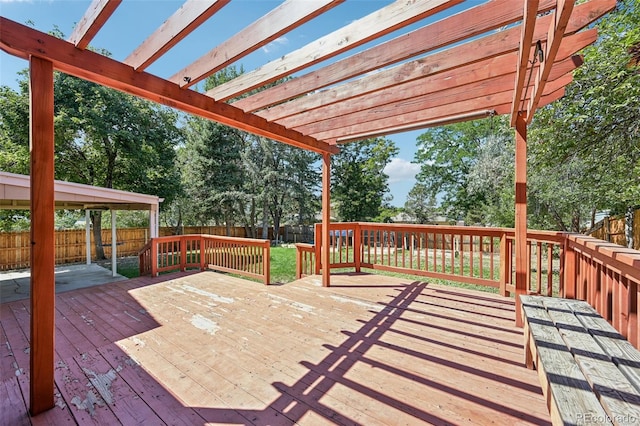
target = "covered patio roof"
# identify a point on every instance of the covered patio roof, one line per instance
(412, 64)
(15, 194)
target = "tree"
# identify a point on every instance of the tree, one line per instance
(212, 170)
(102, 137)
(448, 155)
(588, 142)
(421, 204)
(358, 183)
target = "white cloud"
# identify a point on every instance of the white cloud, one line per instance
(400, 170)
(275, 44)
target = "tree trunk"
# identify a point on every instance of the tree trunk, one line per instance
(265, 222)
(575, 222)
(96, 219)
(628, 227)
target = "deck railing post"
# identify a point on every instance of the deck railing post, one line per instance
(317, 239)
(357, 246)
(569, 270)
(266, 263)
(505, 265)
(203, 252)
(298, 263)
(182, 246)
(154, 258)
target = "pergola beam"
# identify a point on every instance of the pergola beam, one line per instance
(377, 24)
(493, 101)
(477, 53)
(287, 16)
(468, 23)
(94, 18)
(186, 19)
(557, 29)
(412, 110)
(526, 40)
(23, 41)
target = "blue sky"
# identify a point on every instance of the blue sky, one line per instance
(134, 20)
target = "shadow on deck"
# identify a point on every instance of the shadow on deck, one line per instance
(208, 348)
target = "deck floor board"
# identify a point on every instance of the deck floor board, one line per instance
(198, 348)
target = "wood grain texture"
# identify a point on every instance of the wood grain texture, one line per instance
(206, 347)
(41, 138)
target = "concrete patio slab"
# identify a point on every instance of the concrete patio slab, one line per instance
(16, 285)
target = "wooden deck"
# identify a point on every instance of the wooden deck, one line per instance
(206, 348)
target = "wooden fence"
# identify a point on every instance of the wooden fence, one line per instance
(613, 230)
(71, 244)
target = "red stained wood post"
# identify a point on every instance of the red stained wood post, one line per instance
(326, 218)
(569, 288)
(505, 265)
(317, 245)
(357, 247)
(521, 213)
(266, 262)
(41, 396)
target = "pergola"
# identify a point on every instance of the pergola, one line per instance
(495, 57)
(15, 194)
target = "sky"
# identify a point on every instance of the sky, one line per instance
(135, 20)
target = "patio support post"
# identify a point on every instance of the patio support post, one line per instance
(114, 238)
(326, 218)
(521, 213)
(87, 235)
(154, 225)
(42, 236)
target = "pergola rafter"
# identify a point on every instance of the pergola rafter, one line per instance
(186, 19)
(371, 27)
(491, 16)
(96, 16)
(289, 15)
(363, 112)
(477, 62)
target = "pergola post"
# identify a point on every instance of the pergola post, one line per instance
(521, 213)
(87, 231)
(114, 243)
(41, 395)
(326, 218)
(154, 223)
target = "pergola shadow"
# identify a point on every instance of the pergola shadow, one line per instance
(134, 368)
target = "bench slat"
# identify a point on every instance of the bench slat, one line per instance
(626, 357)
(620, 399)
(570, 398)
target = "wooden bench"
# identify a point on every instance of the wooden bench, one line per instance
(590, 374)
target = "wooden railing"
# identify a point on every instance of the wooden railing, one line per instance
(243, 256)
(607, 276)
(559, 264)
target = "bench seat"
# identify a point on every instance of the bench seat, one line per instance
(589, 373)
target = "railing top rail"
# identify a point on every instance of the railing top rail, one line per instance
(145, 247)
(625, 258)
(305, 246)
(249, 241)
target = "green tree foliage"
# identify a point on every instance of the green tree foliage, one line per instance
(102, 137)
(589, 141)
(449, 155)
(358, 182)
(421, 204)
(233, 177)
(212, 170)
